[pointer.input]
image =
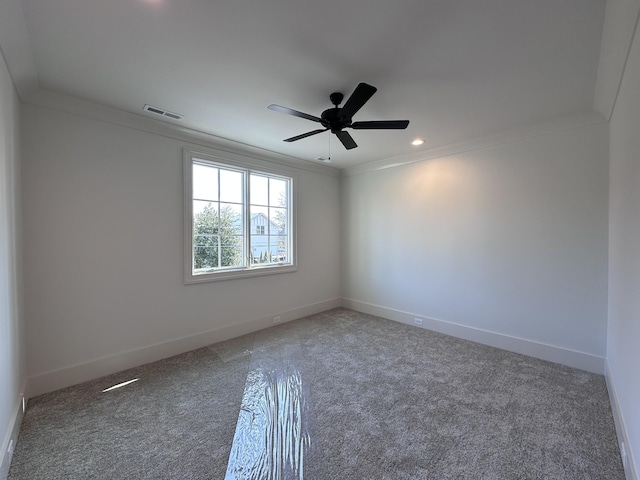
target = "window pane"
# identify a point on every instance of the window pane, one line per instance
(231, 186)
(283, 242)
(204, 259)
(259, 190)
(259, 248)
(205, 217)
(231, 254)
(205, 235)
(259, 217)
(277, 192)
(278, 221)
(200, 205)
(231, 219)
(259, 234)
(205, 182)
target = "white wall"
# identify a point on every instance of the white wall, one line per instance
(12, 371)
(623, 344)
(103, 217)
(509, 239)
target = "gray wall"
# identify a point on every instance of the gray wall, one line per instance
(12, 371)
(103, 227)
(623, 340)
(509, 239)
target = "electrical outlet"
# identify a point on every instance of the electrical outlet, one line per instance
(276, 319)
(417, 321)
(623, 454)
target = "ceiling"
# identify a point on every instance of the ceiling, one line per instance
(457, 69)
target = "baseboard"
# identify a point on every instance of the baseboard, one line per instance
(12, 434)
(630, 469)
(551, 353)
(64, 377)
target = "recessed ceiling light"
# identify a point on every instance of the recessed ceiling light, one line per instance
(417, 141)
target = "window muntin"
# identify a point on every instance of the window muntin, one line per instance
(239, 220)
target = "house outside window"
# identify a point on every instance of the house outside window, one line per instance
(239, 219)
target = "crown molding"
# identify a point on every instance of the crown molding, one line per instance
(620, 27)
(50, 99)
(16, 48)
(513, 135)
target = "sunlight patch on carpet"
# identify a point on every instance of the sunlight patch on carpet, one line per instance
(120, 385)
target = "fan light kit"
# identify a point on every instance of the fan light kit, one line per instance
(337, 119)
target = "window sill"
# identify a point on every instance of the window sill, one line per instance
(244, 273)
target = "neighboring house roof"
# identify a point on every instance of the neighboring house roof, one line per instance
(274, 227)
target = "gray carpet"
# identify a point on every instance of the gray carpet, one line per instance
(339, 395)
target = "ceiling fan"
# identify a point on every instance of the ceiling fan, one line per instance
(337, 119)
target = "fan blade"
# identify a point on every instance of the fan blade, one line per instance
(295, 113)
(304, 135)
(381, 124)
(358, 98)
(346, 140)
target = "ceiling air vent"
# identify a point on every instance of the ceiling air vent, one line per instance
(164, 113)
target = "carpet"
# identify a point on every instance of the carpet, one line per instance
(338, 395)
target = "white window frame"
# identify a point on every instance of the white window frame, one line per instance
(235, 162)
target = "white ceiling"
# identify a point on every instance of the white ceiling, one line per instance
(457, 69)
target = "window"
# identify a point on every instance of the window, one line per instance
(239, 220)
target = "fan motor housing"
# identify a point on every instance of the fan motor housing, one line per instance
(332, 120)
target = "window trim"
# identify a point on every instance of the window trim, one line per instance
(234, 161)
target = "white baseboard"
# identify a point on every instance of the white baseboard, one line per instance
(630, 470)
(11, 437)
(551, 353)
(64, 377)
